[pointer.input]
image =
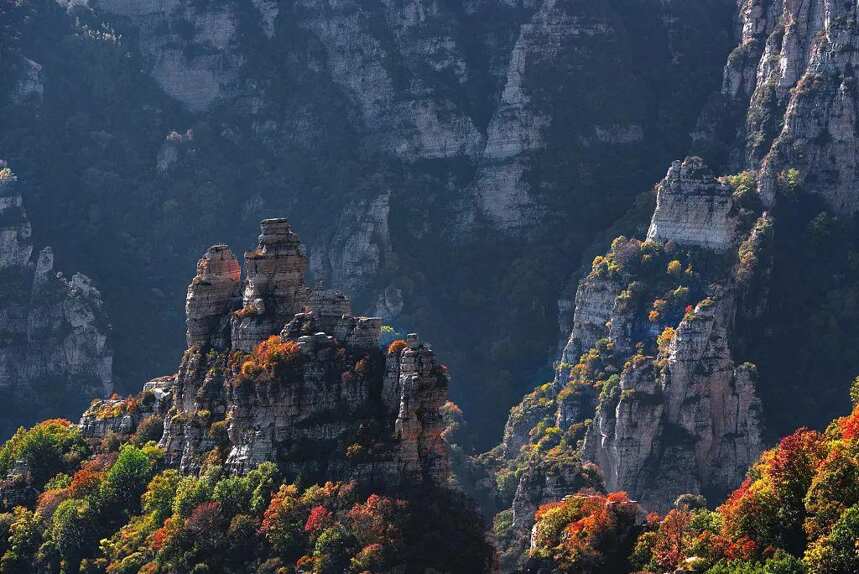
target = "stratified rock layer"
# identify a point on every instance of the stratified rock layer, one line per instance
(54, 349)
(693, 208)
(211, 294)
(274, 289)
(647, 376)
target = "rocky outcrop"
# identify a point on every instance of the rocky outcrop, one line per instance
(211, 294)
(693, 208)
(411, 386)
(124, 417)
(54, 350)
(540, 484)
(596, 304)
(389, 126)
(686, 421)
(647, 377)
(274, 289)
(318, 396)
(792, 78)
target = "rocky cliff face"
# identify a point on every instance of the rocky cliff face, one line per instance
(785, 112)
(790, 85)
(277, 371)
(648, 388)
(685, 421)
(54, 351)
(677, 411)
(411, 136)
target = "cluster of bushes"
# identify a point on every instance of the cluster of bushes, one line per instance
(586, 532)
(124, 512)
(796, 513)
(274, 359)
(75, 511)
(51, 447)
(663, 282)
(115, 407)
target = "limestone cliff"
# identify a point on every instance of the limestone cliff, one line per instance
(692, 208)
(648, 388)
(789, 91)
(277, 371)
(54, 349)
(786, 114)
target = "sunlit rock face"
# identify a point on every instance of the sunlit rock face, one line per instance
(693, 208)
(686, 422)
(277, 371)
(54, 330)
(211, 294)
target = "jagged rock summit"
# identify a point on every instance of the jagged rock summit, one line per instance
(279, 371)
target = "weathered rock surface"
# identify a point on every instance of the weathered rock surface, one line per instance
(122, 417)
(54, 350)
(192, 51)
(792, 78)
(596, 305)
(211, 294)
(693, 208)
(387, 126)
(684, 422)
(274, 288)
(540, 484)
(326, 402)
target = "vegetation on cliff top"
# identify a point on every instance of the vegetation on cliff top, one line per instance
(797, 512)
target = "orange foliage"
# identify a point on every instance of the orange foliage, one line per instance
(376, 518)
(275, 350)
(54, 423)
(50, 500)
(396, 346)
(670, 546)
(85, 481)
(797, 456)
(269, 356)
(586, 529)
(743, 548)
(849, 425)
(160, 537)
(282, 504)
